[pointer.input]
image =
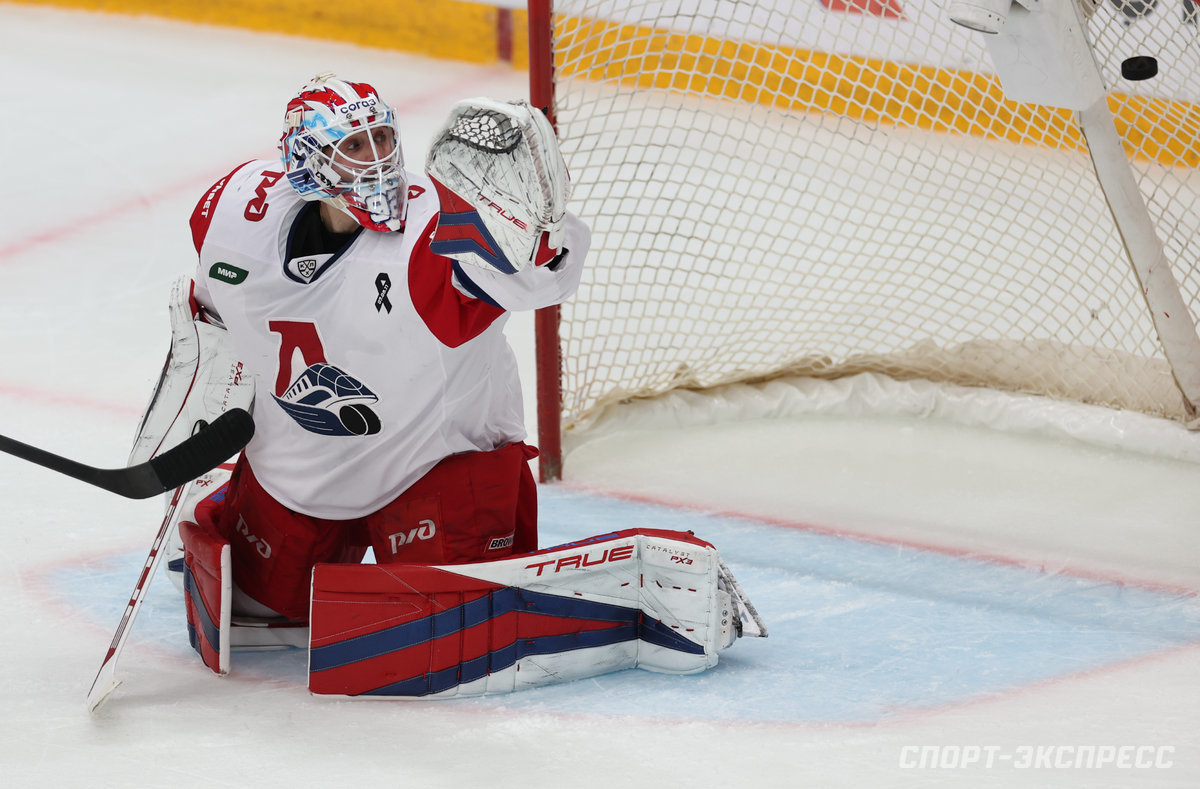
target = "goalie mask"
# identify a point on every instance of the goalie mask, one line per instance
(341, 143)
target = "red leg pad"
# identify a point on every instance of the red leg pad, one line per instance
(208, 591)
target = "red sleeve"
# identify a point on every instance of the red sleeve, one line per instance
(453, 317)
(203, 213)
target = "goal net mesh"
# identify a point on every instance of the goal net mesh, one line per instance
(829, 187)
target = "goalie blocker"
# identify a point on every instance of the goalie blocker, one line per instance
(641, 598)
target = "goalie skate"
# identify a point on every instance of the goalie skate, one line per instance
(747, 622)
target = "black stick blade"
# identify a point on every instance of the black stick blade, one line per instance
(200, 453)
(224, 437)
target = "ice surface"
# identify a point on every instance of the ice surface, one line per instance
(925, 584)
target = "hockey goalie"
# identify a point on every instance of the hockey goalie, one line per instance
(360, 308)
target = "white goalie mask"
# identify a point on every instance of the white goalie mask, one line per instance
(341, 143)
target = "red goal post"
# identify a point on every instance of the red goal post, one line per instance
(831, 189)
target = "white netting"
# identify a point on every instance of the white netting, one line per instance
(838, 187)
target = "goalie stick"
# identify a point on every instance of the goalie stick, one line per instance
(177, 467)
(203, 451)
(106, 678)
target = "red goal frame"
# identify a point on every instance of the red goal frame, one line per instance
(546, 321)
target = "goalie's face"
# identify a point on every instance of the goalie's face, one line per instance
(364, 155)
(340, 144)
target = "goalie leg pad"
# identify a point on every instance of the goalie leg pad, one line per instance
(208, 591)
(638, 598)
(210, 485)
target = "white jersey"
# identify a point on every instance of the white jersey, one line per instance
(372, 365)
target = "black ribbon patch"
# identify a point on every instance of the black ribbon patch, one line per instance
(383, 284)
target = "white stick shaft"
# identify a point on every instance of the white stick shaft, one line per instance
(106, 679)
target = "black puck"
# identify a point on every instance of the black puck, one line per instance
(1139, 68)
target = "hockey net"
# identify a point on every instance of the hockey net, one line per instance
(833, 187)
